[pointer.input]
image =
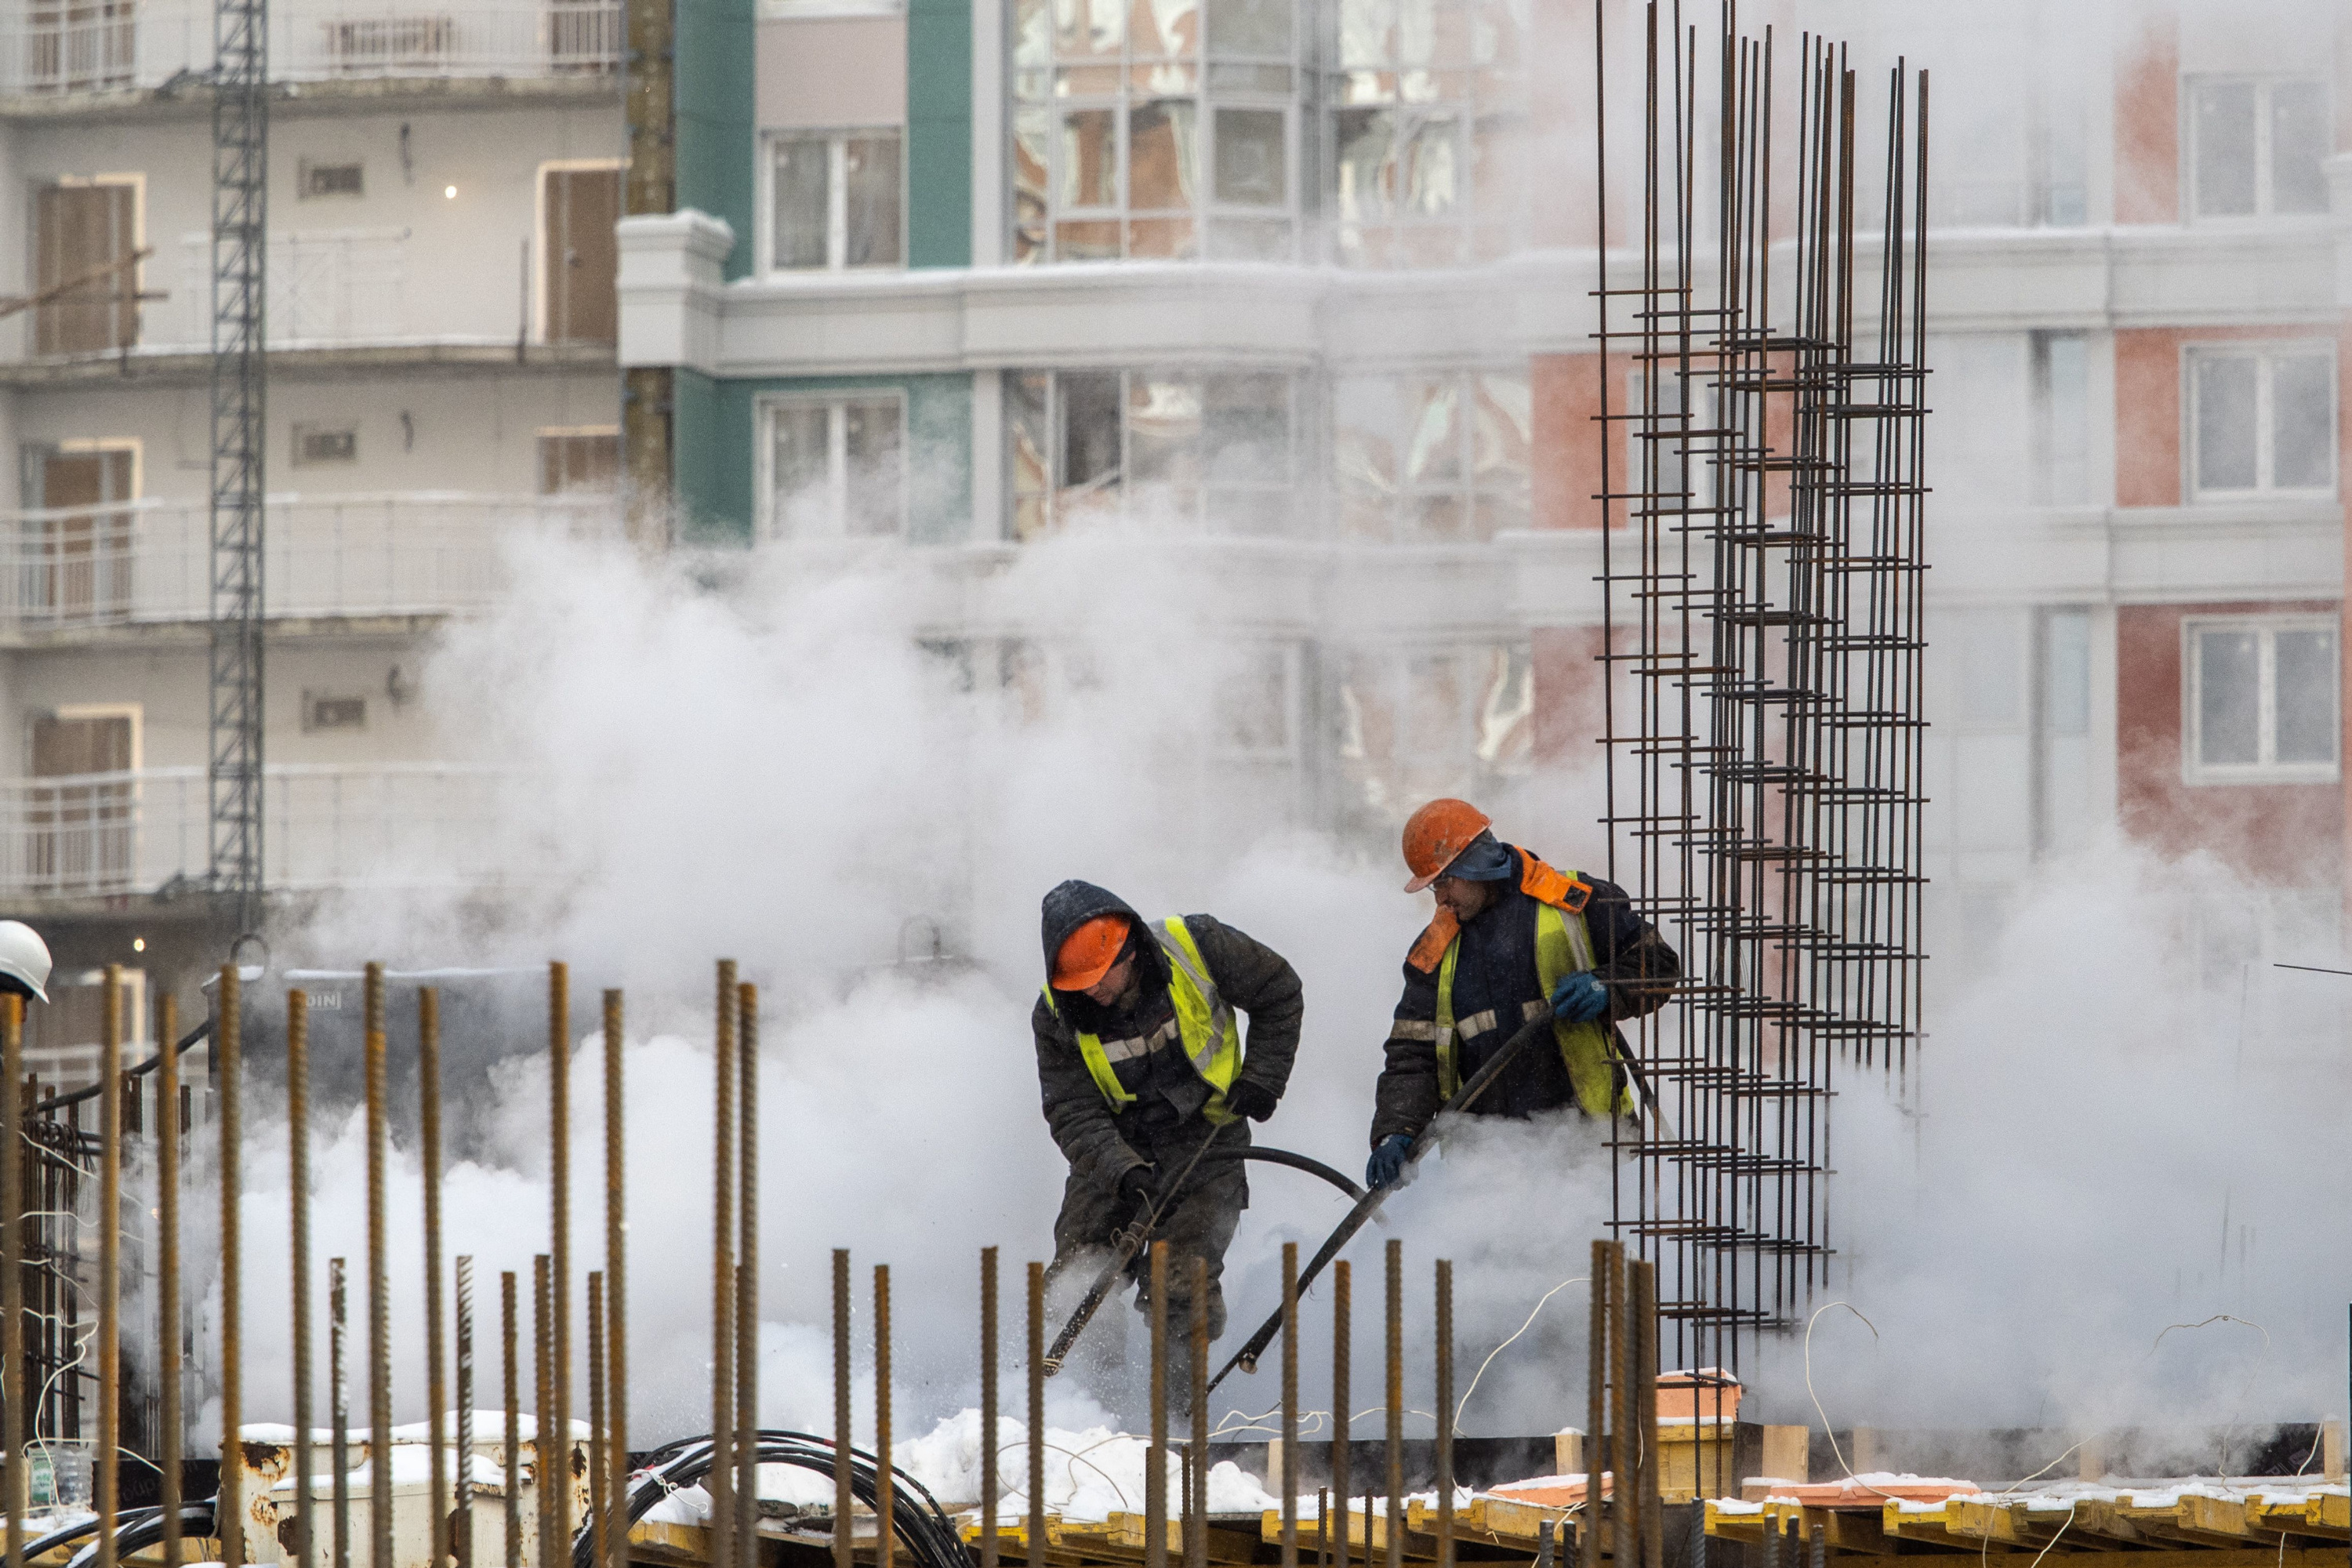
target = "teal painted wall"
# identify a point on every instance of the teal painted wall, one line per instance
(718, 470)
(938, 134)
(718, 133)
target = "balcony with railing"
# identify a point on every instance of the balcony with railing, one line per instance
(150, 561)
(380, 825)
(64, 47)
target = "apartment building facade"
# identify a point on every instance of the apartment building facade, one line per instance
(443, 182)
(1305, 287)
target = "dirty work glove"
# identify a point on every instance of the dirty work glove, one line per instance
(1579, 998)
(1250, 1099)
(1135, 1188)
(1387, 1163)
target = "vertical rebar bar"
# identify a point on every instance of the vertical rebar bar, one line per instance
(168, 1132)
(1341, 1331)
(428, 1095)
(988, 1407)
(558, 1499)
(1643, 1310)
(1445, 1411)
(747, 1275)
(14, 1428)
(461, 1529)
(510, 1451)
(228, 1072)
(1196, 1516)
(1596, 1389)
(1155, 1473)
(1396, 1511)
(1624, 1506)
(298, 1185)
(547, 1466)
(1289, 1405)
(883, 1492)
(109, 1262)
(1035, 1541)
(380, 1547)
(721, 1481)
(338, 1407)
(617, 1280)
(844, 1500)
(598, 1520)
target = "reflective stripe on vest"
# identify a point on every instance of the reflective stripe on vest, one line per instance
(1203, 1024)
(1588, 1050)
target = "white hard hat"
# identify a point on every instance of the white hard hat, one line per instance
(25, 957)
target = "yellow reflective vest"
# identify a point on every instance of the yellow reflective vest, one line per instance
(1563, 947)
(1206, 1028)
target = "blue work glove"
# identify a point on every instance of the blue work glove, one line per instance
(1387, 1163)
(1579, 998)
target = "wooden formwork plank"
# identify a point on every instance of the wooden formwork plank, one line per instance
(2323, 1516)
(1368, 1536)
(2167, 1557)
(1501, 1521)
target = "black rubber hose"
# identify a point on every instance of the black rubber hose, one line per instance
(1296, 1161)
(187, 1042)
(134, 1530)
(916, 1517)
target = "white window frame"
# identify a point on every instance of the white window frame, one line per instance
(2264, 351)
(2263, 181)
(837, 462)
(2192, 674)
(836, 198)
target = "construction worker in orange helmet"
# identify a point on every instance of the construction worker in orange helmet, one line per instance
(1139, 1058)
(1512, 938)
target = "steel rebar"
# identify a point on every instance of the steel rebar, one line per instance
(844, 1500)
(617, 1280)
(339, 1411)
(168, 1133)
(546, 1448)
(109, 1263)
(1289, 1405)
(1596, 1387)
(227, 1069)
(1395, 1519)
(298, 1185)
(1624, 1505)
(599, 1519)
(380, 1546)
(884, 1500)
(1643, 1310)
(1155, 1474)
(511, 1453)
(1196, 1505)
(428, 1094)
(461, 1528)
(558, 1232)
(720, 1480)
(988, 1407)
(747, 1275)
(13, 1430)
(1445, 1411)
(1034, 1545)
(1342, 1330)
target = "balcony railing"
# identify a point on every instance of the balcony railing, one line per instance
(387, 824)
(84, 46)
(151, 560)
(333, 286)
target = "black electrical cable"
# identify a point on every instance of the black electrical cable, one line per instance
(1296, 1161)
(187, 1043)
(134, 1529)
(916, 1517)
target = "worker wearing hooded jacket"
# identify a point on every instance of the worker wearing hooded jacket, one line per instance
(1513, 938)
(1139, 1057)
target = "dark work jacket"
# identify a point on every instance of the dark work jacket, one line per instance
(1102, 1145)
(1496, 969)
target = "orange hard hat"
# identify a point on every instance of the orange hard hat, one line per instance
(1086, 954)
(1436, 834)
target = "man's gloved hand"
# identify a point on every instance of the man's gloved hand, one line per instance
(1135, 1189)
(1579, 998)
(1387, 1163)
(1250, 1099)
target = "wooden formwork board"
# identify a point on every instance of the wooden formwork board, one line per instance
(2211, 1529)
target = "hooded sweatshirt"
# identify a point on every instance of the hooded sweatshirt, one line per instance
(1252, 978)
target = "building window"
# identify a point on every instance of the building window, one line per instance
(1428, 112)
(584, 461)
(1161, 131)
(2256, 146)
(325, 710)
(1215, 452)
(317, 445)
(2061, 418)
(1418, 722)
(85, 266)
(2262, 701)
(836, 468)
(835, 201)
(2262, 420)
(315, 180)
(1432, 459)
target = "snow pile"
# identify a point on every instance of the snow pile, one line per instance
(1089, 1474)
